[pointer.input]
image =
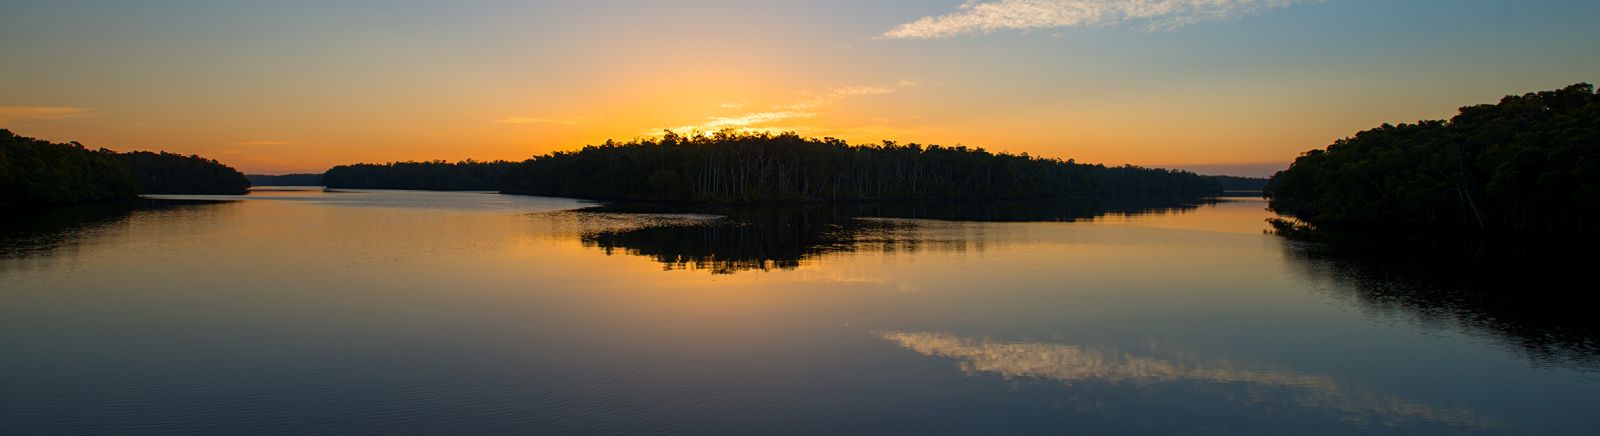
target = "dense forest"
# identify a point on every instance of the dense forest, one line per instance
(285, 180)
(1235, 183)
(36, 172)
(171, 173)
(467, 175)
(1528, 163)
(732, 167)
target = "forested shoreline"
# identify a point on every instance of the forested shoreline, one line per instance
(299, 179)
(720, 168)
(1528, 164)
(438, 175)
(35, 172)
(1236, 183)
(172, 173)
(757, 168)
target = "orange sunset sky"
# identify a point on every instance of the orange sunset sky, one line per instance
(1231, 86)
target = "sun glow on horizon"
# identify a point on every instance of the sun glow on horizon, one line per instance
(1233, 82)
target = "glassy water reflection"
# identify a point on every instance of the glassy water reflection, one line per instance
(1156, 370)
(375, 311)
(728, 240)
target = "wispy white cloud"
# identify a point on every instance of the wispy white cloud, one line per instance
(836, 94)
(807, 107)
(534, 120)
(754, 119)
(9, 113)
(985, 17)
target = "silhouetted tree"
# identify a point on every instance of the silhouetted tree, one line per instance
(733, 167)
(285, 180)
(467, 175)
(171, 173)
(1529, 163)
(37, 172)
(1235, 183)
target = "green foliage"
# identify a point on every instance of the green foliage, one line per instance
(467, 175)
(37, 172)
(733, 167)
(1529, 163)
(171, 173)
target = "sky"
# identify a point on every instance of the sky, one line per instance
(1217, 86)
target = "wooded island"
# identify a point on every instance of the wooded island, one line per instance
(755, 168)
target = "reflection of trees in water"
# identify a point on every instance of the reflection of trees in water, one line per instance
(1523, 294)
(757, 240)
(40, 233)
(784, 238)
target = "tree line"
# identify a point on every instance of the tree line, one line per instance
(437, 175)
(172, 173)
(1530, 163)
(299, 179)
(735, 167)
(36, 172)
(1236, 183)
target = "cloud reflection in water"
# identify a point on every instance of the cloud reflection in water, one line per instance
(1073, 364)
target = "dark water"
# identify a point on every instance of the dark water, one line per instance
(410, 312)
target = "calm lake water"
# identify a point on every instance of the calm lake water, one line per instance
(300, 311)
